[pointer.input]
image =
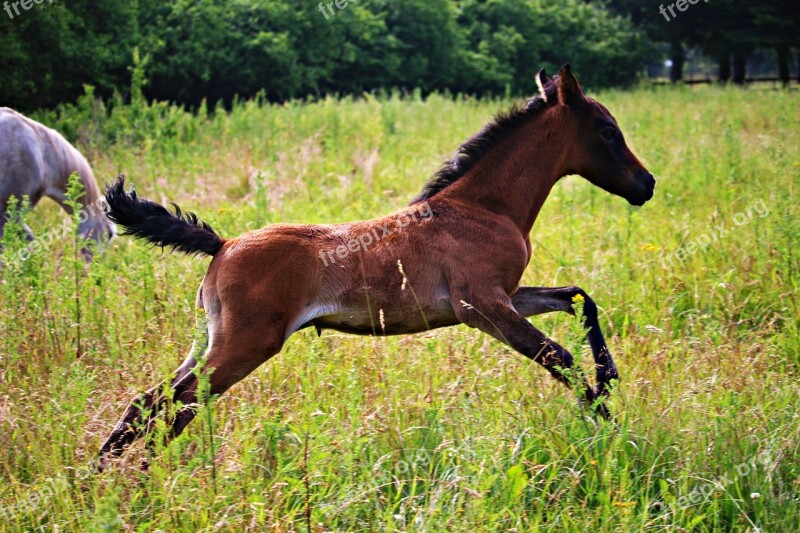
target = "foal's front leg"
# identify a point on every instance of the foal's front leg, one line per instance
(496, 316)
(529, 301)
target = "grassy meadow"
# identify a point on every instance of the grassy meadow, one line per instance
(442, 431)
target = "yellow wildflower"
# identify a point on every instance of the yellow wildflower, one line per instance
(648, 247)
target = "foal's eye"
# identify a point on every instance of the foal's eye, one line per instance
(609, 133)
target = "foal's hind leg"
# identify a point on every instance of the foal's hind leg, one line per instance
(494, 314)
(226, 363)
(529, 301)
(141, 413)
(225, 366)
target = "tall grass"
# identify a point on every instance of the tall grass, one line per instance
(447, 430)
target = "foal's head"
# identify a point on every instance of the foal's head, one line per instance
(596, 148)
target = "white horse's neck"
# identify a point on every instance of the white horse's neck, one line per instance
(61, 159)
(67, 159)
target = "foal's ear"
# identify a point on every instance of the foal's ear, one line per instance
(542, 81)
(569, 91)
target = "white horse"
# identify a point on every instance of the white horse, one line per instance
(37, 161)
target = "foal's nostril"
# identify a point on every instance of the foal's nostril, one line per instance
(647, 179)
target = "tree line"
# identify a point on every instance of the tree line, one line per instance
(728, 31)
(195, 50)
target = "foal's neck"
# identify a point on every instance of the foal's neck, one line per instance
(515, 177)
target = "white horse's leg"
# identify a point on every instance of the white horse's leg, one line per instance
(4, 218)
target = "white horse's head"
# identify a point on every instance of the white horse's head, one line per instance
(93, 222)
(95, 225)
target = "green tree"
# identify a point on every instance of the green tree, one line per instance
(195, 50)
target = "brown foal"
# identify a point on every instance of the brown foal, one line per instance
(455, 255)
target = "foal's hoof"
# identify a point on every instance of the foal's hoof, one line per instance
(596, 402)
(102, 463)
(601, 409)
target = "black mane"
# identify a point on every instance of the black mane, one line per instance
(469, 153)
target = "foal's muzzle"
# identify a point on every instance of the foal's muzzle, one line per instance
(646, 185)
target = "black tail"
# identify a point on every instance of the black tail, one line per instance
(148, 220)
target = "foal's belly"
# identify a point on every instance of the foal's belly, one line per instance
(363, 325)
(387, 320)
